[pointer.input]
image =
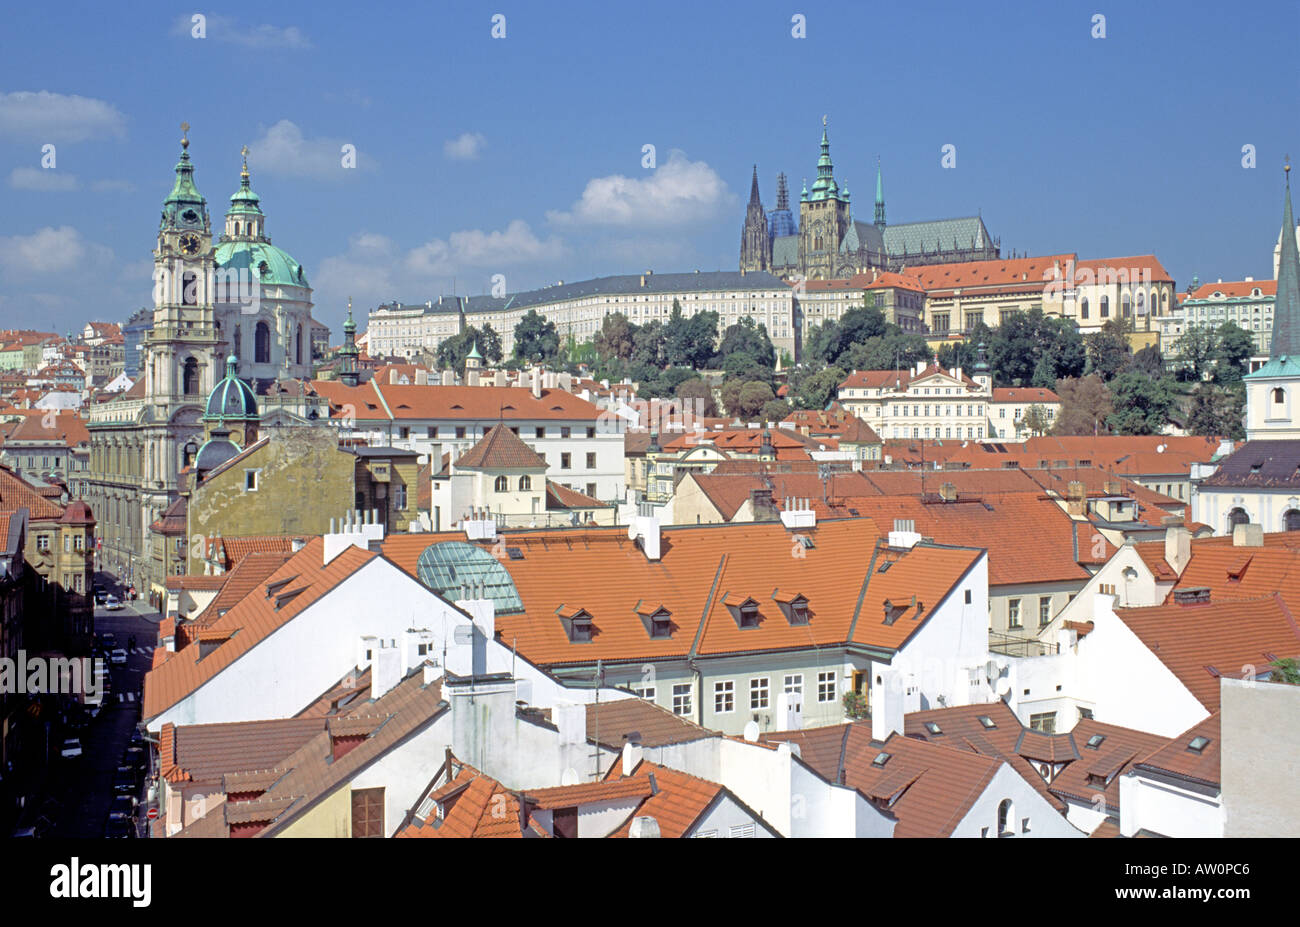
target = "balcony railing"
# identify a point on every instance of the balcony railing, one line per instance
(1012, 646)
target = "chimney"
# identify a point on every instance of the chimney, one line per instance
(297, 544)
(537, 383)
(449, 378)
(1112, 487)
(1178, 546)
(948, 492)
(647, 529)
(482, 612)
(385, 669)
(887, 703)
(1249, 535)
(632, 753)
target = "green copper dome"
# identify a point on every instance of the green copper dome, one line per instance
(266, 263)
(232, 398)
(245, 200)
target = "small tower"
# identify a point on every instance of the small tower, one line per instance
(348, 374)
(754, 254)
(880, 198)
(1273, 390)
(473, 365)
(983, 376)
(245, 220)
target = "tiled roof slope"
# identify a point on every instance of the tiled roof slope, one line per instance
(1177, 757)
(207, 752)
(254, 617)
(1199, 643)
(1103, 764)
(609, 723)
(501, 449)
(702, 571)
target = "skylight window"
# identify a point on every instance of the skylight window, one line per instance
(1198, 744)
(988, 722)
(933, 727)
(881, 759)
(1095, 741)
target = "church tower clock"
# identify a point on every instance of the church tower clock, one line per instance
(180, 348)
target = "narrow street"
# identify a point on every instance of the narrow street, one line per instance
(81, 788)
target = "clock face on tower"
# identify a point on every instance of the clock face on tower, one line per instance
(190, 244)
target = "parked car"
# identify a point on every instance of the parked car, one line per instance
(136, 758)
(124, 805)
(71, 748)
(137, 738)
(112, 603)
(126, 780)
(118, 656)
(100, 597)
(108, 640)
(119, 826)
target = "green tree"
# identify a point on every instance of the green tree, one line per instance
(753, 397)
(703, 330)
(750, 338)
(615, 338)
(648, 344)
(895, 350)
(1108, 350)
(1142, 405)
(1216, 411)
(1234, 346)
(536, 340)
(677, 337)
(774, 411)
(823, 342)
(1285, 670)
(1196, 349)
(1086, 404)
(451, 352)
(859, 325)
(1035, 420)
(816, 389)
(1149, 362)
(699, 396)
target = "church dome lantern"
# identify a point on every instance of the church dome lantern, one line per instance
(231, 399)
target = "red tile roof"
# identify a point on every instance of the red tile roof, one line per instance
(1234, 289)
(1004, 275)
(501, 449)
(1178, 758)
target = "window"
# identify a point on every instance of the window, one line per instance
(262, 343)
(502, 484)
(826, 687)
(740, 830)
(565, 431)
(591, 461)
(968, 597)
(1105, 307)
(1013, 614)
(1236, 517)
(399, 496)
(591, 490)
(1291, 520)
(566, 461)
(539, 432)
(682, 699)
(67, 543)
(724, 696)
(1044, 722)
(250, 480)
(525, 483)
(758, 697)
(793, 685)
(1083, 308)
(1005, 817)
(591, 431)
(460, 431)
(1044, 610)
(1095, 741)
(368, 812)
(645, 692)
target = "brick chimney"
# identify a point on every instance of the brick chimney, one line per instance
(948, 492)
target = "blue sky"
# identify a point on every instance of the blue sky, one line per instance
(522, 156)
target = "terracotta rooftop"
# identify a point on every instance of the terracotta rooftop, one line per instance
(1177, 756)
(1106, 752)
(609, 723)
(207, 752)
(501, 449)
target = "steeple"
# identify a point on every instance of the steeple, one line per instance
(782, 193)
(1286, 307)
(184, 207)
(348, 353)
(880, 198)
(245, 220)
(824, 187)
(755, 248)
(753, 189)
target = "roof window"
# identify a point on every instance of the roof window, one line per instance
(1198, 744)
(1095, 741)
(988, 722)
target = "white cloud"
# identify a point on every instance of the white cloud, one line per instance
(113, 186)
(465, 147)
(55, 117)
(516, 244)
(225, 29)
(283, 149)
(42, 180)
(678, 192)
(50, 250)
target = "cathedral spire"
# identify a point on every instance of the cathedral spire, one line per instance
(782, 193)
(753, 188)
(1286, 308)
(880, 198)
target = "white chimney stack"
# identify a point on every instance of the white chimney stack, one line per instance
(632, 753)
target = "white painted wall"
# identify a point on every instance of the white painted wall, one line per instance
(405, 771)
(1044, 820)
(725, 815)
(1146, 804)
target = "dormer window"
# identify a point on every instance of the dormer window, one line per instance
(658, 620)
(577, 625)
(745, 611)
(795, 608)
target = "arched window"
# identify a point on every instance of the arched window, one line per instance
(1291, 520)
(1279, 396)
(262, 344)
(1237, 517)
(236, 228)
(298, 349)
(1105, 307)
(1083, 308)
(1006, 814)
(1141, 303)
(236, 346)
(525, 483)
(502, 484)
(190, 377)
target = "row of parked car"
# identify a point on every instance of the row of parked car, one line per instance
(123, 813)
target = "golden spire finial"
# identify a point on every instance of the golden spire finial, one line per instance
(185, 135)
(1286, 166)
(823, 121)
(244, 172)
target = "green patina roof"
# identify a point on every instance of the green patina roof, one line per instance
(231, 398)
(270, 265)
(184, 197)
(1286, 305)
(1284, 366)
